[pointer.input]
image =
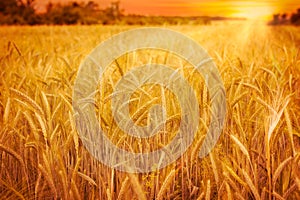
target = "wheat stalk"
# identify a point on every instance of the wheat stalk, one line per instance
(18, 194)
(75, 190)
(166, 184)
(6, 111)
(28, 100)
(49, 180)
(290, 129)
(228, 190)
(108, 194)
(279, 170)
(234, 175)
(37, 185)
(208, 190)
(123, 189)
(87, 178)
(251, 185)
(214, 167)
(137, 188)
(201, 196)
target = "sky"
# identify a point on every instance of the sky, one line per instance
(227, 8)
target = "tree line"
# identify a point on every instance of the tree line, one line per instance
(280, 19)
(23, 12)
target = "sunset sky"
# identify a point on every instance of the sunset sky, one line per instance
(228, 8)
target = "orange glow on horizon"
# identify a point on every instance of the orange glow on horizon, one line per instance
(227, 8)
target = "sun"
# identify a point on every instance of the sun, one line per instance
(253, 11)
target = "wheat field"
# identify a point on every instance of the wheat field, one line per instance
(256, 157)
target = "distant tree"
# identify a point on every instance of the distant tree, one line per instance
(72, 13)
(9, 7)
(295, 18)
(49, 7)
(67, 14)
(26, 3)
(276, 19)
(92, 6)
(18, 12)
(75, 4)
(113, 11)
(92, 13)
